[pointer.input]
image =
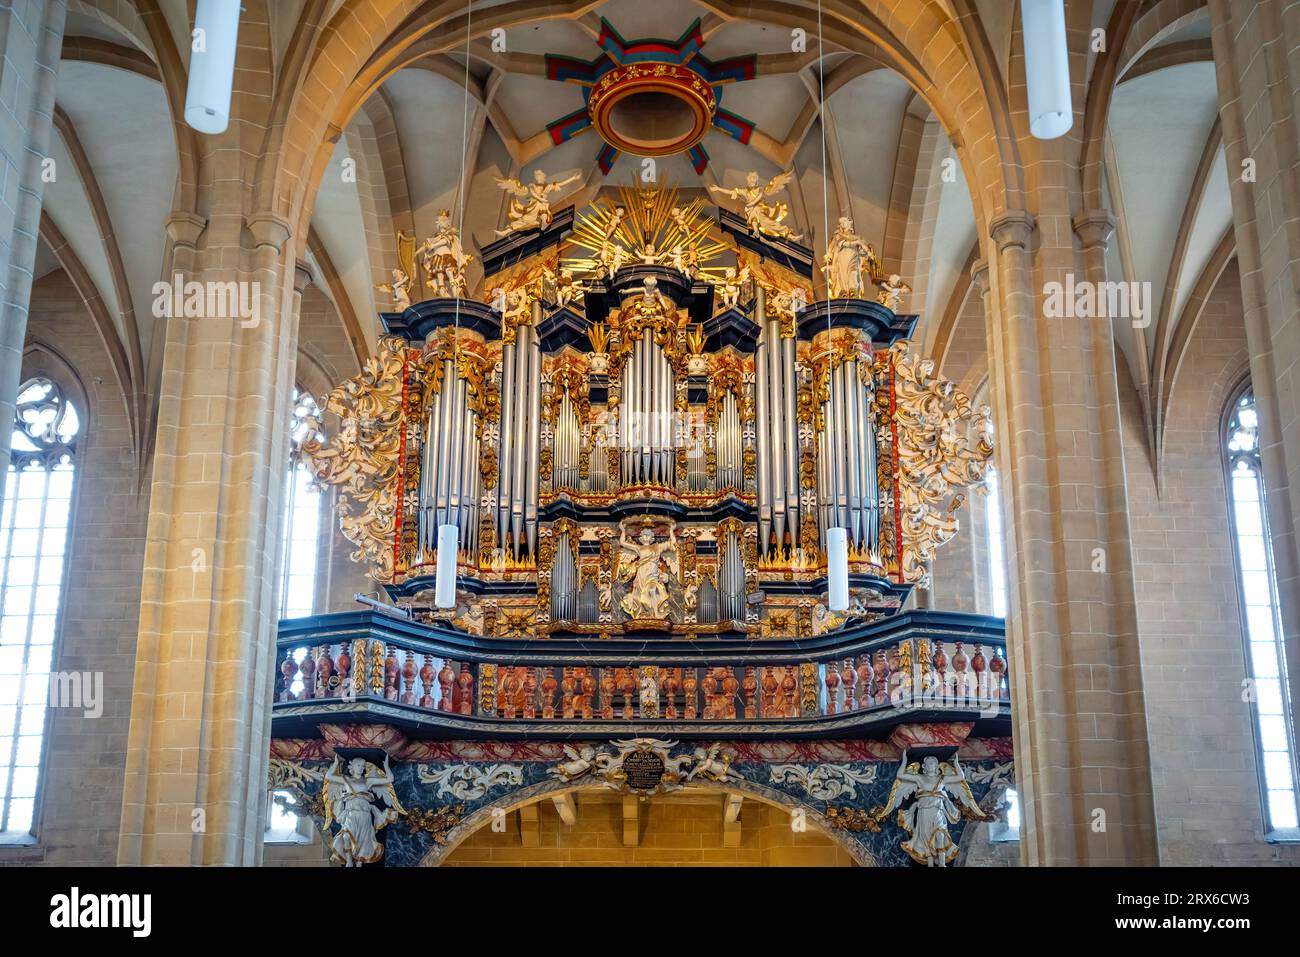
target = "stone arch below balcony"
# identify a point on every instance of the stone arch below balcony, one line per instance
(750, 824)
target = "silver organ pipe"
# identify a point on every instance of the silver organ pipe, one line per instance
(449, 476)
(846, 474)
(645, 414)
(776, 389)
(516, 504)
(728, 444)
(564, 582)
(731, 580)
(566, 468)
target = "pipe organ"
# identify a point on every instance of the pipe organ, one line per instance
(661, 452)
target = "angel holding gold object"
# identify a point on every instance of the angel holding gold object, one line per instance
(399, 289)
(732, 284)
(530, 207)
(891, 291)
(363, 804)
(850, 263)
(763, 217)
(926, 821)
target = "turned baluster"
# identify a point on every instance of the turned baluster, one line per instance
(770, 688)
(750, 689)
(307, 669)
(864, 681)
(789, 691)
(408, 678)
(567, 687)
(345, 671)
(959, 662)
(427, 678)
(465, 690)
(530, 693)
(881, 671)
(608, 691)
(390, 674)
(998, 666)
(506, 693)
(446, 687)
(549, 684)
(288, 668)
(689, 683)
(588, 694)
(729, 688)
(324, 671)
(832, 681)
(978, 664)
(671, 682)
(942, 674)
(628, 686)
(710, 686)
(848, 677)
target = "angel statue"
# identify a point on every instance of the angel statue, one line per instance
(731, 286)
(763, 217)
(578, 764)
(363, 803)
(642, 567)
(399, 289)
(444, 259)
(712, 764)
(891, 291)
(530, 207)
(848, 257)
(926, 821)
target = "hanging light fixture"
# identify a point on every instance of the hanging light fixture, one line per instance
(212, 65)
(1047, 68)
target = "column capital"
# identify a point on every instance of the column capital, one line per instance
(303, 276)
(1011, 228)
(1094, 228)
(185, 228)
(979, 274)
(269, 229)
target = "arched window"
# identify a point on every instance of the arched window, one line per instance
(997, 554)
(1257, 588)
(301, 516)
(33, 542)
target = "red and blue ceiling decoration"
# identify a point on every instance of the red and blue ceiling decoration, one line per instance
(651, 97)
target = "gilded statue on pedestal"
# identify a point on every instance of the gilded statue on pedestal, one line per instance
(763, 218)
(530, 207)
(444, 259)
(850, 263)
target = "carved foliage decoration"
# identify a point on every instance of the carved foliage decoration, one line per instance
(363, 459)
(943, 448)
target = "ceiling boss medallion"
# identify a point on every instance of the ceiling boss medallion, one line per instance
(651, 97)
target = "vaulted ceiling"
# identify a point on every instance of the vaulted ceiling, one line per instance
(447, 123)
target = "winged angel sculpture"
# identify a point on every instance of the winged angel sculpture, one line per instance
(530, 205)
(363, 802)
(926, 821)
(763, 217)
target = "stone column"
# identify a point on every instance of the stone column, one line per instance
(1082, 766)
(1257, 64)
(31, 38)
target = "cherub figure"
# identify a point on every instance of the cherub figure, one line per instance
(926, 821)
(731, 286)
(363, 804)
(762, 217)
(686, 260)
(530, 207)
(891, 291)
(399, 289)
(612, 257)
(650, 256)
(580, 762)
(709, 765)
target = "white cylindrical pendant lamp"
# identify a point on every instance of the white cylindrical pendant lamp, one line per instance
(444, 592)
(212, 65)
(837, 569)
(1047, 68)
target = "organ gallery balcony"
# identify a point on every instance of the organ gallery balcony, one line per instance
(435, 682)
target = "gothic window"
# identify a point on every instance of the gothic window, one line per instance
(997, 554)
(33, 541)
(1257, 588)
(302, 524)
